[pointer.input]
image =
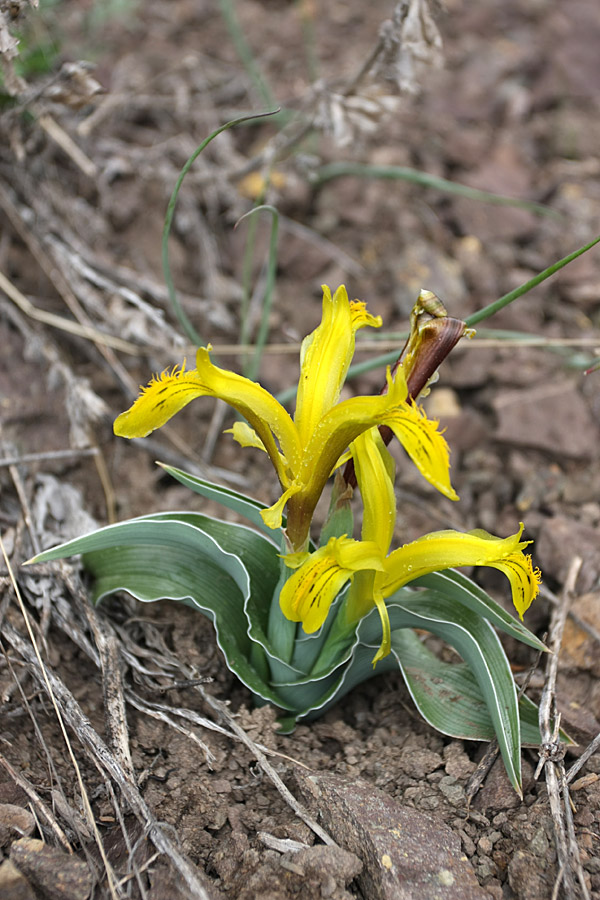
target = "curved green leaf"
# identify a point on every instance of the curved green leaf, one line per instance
(457, 586)
(447, 694)
(478, 644)
(185, 557)
(239, 503)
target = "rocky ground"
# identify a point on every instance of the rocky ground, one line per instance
(194, 806)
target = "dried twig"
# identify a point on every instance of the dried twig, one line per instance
(580, 763)
(88, 332)
(268, 769)
(41, 808)
(105, 761)
(31, 654)
(61, 284)
(48, 455)
(552, 753)
(114, 696)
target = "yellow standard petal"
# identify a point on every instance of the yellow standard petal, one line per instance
(325, 357)
(309, 592)
(375, 470)
(333, 434)
(448, 549)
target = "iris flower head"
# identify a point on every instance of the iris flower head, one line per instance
(305, 449)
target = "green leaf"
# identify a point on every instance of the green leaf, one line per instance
(447, 694)
(239, 503)
(416, 176)
(457, 586)
(476, 641)
(186, 557)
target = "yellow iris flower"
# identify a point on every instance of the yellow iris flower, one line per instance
(305, 450)
(376, 574)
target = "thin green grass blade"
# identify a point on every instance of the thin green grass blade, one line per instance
(252, 369)
(246, 279)
(244, 52)
(404, 173)
(387, 359)
(492, 308)
(307, 14)
(179, 312)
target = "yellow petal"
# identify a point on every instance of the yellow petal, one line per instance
(386, 638)
(308, 594)
(375, 471)
(363, 595)
(262, 411)
(424, 444)
(524, 579)
(325, 357)
(165, 396)
(448, 549)
(273, 516)
(333, 434)
(245, 436)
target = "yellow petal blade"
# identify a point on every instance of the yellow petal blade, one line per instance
(334, 433)
(245, 436)
(424, 444)
(524, 579)
(165, 396)
(342, 425)
(308, 594)
(386, 638)
(363, 595)
(448, 549)
(325, 358)
(273, 516)
(261, 410)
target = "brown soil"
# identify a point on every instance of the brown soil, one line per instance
(514, 111)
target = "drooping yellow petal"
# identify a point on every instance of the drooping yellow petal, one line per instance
(325, 357)
(165, 395)
(363, 595)
(309, 592)
(386, 636)
(423, 442)
(448, 549)
(524, 579)
(375, 470)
